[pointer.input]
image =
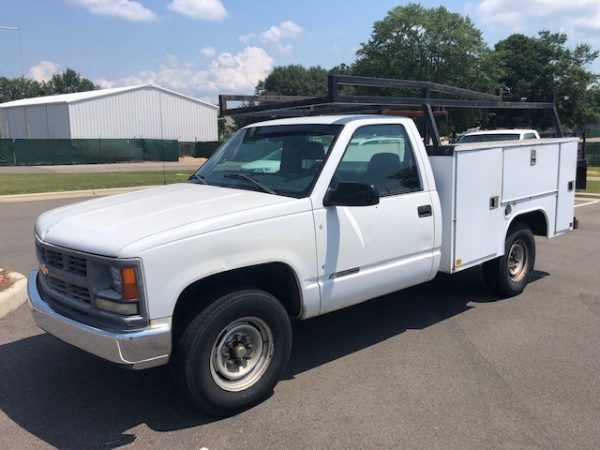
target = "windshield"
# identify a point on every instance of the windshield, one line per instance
(281, 159)
(488, 137)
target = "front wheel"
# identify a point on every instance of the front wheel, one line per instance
(233, 353)
(508, 275)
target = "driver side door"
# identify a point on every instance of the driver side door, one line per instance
(367, 251)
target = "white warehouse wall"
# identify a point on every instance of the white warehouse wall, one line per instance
(58, 121)
(188, 121)
(147, 113)
(35, 122)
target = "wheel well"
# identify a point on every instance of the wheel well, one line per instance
(535, 220)
(278, 279)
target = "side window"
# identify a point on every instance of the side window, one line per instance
(529, 136)
(380, 155)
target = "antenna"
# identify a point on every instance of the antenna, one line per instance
(8, 28)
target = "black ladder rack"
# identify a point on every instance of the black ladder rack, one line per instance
(335, 102)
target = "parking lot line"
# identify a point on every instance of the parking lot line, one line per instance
(592, 202)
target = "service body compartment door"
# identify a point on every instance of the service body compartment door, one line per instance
(529, 171)
(478, 213)
(565, 208)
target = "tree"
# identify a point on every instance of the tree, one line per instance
(68, 82)
(294, 79)
(543, 68)
(18, 88)
(430, 44)
(417, 43)
(61, 83)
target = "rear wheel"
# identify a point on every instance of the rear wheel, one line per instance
(231, 356)
(508, 275)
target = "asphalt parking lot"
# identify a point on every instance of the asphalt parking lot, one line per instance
(440, 365)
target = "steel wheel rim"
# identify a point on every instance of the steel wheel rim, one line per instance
(518, 258)
(241, 354)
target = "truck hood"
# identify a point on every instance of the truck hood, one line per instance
(107, 225)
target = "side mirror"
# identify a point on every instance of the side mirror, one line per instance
(352, 194)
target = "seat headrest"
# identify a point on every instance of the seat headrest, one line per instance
(312, 150)
(389, 161)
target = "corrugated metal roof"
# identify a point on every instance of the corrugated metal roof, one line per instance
(88, 95)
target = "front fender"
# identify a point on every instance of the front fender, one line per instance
(171, 267)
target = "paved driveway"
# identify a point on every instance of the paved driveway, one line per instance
(436, 366)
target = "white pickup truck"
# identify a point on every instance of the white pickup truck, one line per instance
(206, 275)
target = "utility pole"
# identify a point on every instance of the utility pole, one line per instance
(18, 30)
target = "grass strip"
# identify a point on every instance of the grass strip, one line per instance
(16, 183)
(593, 187)
(593, 171)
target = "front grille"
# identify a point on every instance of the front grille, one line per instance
(68, 290)
(69, 280)
(63, 261)
(65, 277)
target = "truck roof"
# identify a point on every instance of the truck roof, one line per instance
(324, 120)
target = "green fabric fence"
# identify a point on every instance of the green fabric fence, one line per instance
(205, 149)
(592, 153)
(24, 152)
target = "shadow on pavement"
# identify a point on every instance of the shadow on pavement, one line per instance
(70, 399)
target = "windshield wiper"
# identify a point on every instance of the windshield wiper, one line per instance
(199, 178)
(241, 176)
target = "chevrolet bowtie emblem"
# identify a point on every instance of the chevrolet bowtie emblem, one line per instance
(44, 268)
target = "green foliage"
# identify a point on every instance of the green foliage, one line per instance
(61, 83)
(431, 44)
(17, 88)
(543, 68)
(225, 129)
(68, 82)
(294, 79)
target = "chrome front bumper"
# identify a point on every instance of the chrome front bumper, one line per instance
(138, 349)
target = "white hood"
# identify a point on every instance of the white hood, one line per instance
(106, 225)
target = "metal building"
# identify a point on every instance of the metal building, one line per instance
(136, 112)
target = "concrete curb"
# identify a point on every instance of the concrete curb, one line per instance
(14, 296)
(67, 194)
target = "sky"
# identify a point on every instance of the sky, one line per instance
(207, 47)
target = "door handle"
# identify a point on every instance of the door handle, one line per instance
(424, 211)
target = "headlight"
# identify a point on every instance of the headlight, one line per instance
(123, 296)
(115, 279)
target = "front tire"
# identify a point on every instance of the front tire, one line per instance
(231, 356)
(508, 275)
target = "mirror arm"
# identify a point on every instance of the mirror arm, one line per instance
(328, 196)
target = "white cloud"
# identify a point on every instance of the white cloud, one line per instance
(226, 72)
(208, 52)
(277, 36)
(246, 38)
(104, 84)
(286, 49)
(44, 70)
(580, 19)
(287, 29)
(123, 9)
(212, 10)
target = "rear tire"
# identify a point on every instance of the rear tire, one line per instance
(231, 356)
(508, 275)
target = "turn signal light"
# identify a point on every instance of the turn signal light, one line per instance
(129, 286)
